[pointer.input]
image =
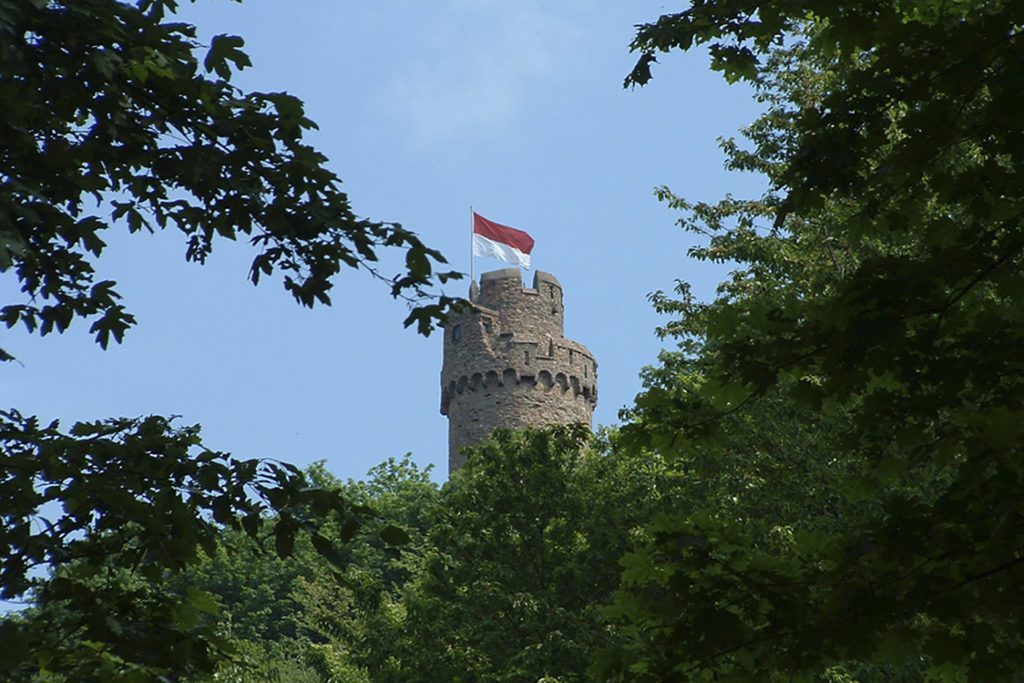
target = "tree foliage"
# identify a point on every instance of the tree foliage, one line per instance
(819, 483)
(109, 510)
(298, 618)
(503, 578)
(116, 116)
(111, 118)
(880, 289)
(523, 549)
(356, 615)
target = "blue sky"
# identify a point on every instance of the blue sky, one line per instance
(424, 109)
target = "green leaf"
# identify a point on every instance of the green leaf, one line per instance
(284, 536)
(394, 535)
(224, 49)
(203, 601)
(327, 550)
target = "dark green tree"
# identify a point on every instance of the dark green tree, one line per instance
(110, 107)
(108, 511)
(115, 116)
(524, 548)
(879, 290)
(355, 615)
(299, 618)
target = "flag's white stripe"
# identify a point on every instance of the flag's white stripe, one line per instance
(484, 246)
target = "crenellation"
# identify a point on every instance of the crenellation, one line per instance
(508, 364)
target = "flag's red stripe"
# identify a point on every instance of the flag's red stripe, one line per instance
(502, 233)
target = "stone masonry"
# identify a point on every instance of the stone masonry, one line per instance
(508, 364)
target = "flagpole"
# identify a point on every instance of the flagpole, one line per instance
(472, 278)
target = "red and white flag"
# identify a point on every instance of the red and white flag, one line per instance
(501, 242)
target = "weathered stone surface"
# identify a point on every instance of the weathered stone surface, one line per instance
(508, 364)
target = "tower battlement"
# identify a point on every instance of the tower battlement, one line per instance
(508, 364)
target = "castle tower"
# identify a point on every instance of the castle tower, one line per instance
(508, 364)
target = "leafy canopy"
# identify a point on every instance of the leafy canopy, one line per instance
(523, 548)
(115, 115)
(133, 499)
(879, 289)
(111, 118)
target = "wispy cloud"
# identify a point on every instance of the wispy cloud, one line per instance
(479, 65)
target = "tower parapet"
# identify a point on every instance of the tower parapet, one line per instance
(508, 364)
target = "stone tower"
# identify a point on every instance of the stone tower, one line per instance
(508, 364)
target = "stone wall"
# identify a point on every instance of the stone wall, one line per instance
(508, 364)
